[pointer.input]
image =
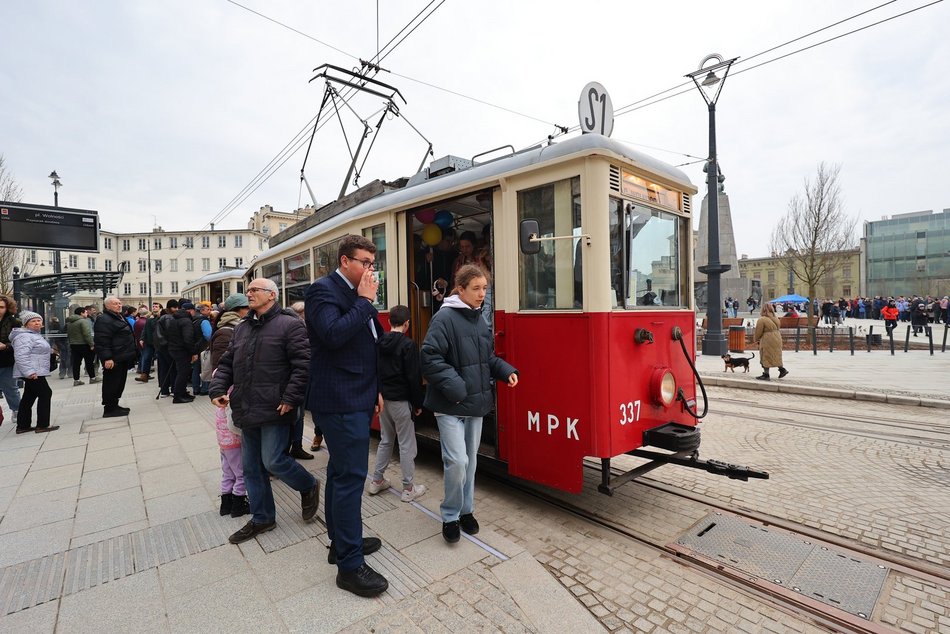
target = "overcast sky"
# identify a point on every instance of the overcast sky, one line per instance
(164, 111)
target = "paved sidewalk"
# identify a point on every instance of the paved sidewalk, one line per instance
(911, 378)
(112, 525)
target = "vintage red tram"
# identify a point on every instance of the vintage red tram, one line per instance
(589, 242)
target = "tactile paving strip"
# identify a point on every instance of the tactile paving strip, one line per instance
(37, 581)
(832, 576)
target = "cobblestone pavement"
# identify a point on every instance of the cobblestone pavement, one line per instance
(876, 493)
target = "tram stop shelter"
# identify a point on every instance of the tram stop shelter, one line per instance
(50, 293)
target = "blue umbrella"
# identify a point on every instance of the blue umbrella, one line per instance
(790, 299)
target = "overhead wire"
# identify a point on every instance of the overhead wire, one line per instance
(658, 97)
(299, 140)
(631, 107)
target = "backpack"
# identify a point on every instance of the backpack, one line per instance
(200, 342)
(160, 339)
(207, 370)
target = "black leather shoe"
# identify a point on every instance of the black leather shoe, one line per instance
(24, 430)
(450, 531)
(370, 546)
(183, 399)
(763, 377)
(113, 413)
(782, 372)
(309, 501)
(468, 523)
(297, 452)
(364, 581)
(250, 531)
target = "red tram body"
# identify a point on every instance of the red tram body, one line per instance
(590, 246)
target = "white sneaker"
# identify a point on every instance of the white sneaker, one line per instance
(417, 491)
(376, 487)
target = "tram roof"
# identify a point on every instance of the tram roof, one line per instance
(585, 144)
(217, 276)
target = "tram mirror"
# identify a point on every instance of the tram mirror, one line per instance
(530, 229)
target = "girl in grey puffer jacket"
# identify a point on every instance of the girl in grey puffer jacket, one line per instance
(458, 360)
(31, 354)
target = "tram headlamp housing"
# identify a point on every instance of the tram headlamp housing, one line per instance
(663, 387)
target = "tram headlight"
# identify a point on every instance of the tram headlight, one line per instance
(663, 387)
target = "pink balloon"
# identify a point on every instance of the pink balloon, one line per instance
(425, 216)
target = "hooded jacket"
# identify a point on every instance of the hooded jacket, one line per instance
(79, 330)
(267, 364)
(399, 369)
(221, 338)
(7, 324)
(31, 353)
(180, 333)
(113, 338)
(458, 360)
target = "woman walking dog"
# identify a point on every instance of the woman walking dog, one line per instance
(769, 337)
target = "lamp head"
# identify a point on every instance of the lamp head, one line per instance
(711, 79)
(711, 84)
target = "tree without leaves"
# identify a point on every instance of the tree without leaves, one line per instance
(11, 192)
(815, 231)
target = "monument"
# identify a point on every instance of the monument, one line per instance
(730, 283)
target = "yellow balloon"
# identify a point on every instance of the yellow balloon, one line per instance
(432, 234)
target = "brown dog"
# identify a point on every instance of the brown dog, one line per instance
(733, 362)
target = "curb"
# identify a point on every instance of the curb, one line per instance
(828, 392)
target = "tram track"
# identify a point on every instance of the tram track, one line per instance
(817, 614)
(940, 438)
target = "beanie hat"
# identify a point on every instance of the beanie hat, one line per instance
(238, 300)
(26, 316)
(186, 306)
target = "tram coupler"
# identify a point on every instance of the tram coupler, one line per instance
(691, 459)
(716, 467)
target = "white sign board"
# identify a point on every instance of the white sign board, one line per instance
(595, 110)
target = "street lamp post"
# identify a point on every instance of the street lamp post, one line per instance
(714, 341)
(53, 176)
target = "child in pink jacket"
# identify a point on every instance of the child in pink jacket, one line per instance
(233, 493)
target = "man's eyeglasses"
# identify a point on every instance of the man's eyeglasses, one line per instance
(367, 264)
(255, 289)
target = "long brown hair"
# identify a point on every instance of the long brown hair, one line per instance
(469, 272)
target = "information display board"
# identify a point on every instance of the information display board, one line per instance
(23, 225)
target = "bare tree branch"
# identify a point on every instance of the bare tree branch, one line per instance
(815, 232)
(11, 192)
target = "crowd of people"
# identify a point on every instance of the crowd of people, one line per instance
(263, 366)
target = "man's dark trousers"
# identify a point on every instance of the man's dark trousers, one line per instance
(347, 437)
(263, 450)
(82, 352)
(166, 371)
(113, 383)
(182, 372)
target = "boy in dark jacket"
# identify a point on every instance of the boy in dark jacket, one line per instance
(400, 375)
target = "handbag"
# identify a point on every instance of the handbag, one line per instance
(53, 361)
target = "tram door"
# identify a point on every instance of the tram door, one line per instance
(444, 236)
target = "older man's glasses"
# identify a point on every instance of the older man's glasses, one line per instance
(367, 264)
(257, 289)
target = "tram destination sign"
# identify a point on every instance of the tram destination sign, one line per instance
(29, 226)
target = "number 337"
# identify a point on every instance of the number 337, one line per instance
(629, 412)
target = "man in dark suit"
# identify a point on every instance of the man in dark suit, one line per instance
(344, 396)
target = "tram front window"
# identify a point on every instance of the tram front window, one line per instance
(645, 256)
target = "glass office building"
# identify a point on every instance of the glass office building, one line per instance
(908, 254)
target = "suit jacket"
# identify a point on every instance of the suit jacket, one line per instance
(343, 376)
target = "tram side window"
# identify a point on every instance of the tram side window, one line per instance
(377, 235)
(650, 243)
(325, 260)
(297, 278)
(551, 279)
(273, 273)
